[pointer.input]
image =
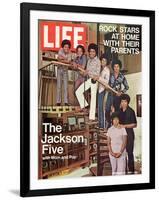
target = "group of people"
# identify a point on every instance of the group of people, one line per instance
(115, 115)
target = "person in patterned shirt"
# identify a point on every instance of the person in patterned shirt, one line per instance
(92, 72)
(119, 83)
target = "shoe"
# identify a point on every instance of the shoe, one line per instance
(84, 110)
(58, 104)
(67, 104)
(131, 173)
(92, 121)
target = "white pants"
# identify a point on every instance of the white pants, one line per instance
(81, 99)
(118, 164)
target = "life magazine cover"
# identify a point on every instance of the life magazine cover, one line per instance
(89, 99)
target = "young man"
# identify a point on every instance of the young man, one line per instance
(119, 83)
(117, 139)
(93, 71)
(80, 60)
(104, 76)
(128, 121)
(64, 55)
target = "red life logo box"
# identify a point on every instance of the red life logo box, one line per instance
(52, 34)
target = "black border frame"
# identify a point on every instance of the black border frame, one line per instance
(25, 9)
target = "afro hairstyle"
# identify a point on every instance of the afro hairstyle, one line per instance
(93, 46)
(116, 62)
(81, 47)
(66, 42)
(104, 55)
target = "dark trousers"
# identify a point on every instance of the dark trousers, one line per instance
(129, 149)
(101, 113)
(109, 103)
(100, 170)
(116, 103)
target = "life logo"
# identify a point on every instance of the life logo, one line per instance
(52, 34)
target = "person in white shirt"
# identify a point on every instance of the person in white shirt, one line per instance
(92, 71)
(117, 139)
(104, 76)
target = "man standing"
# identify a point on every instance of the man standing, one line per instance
(128, 121)
(104, 75)
(119, 83)
(64, 55)
(93, 72)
